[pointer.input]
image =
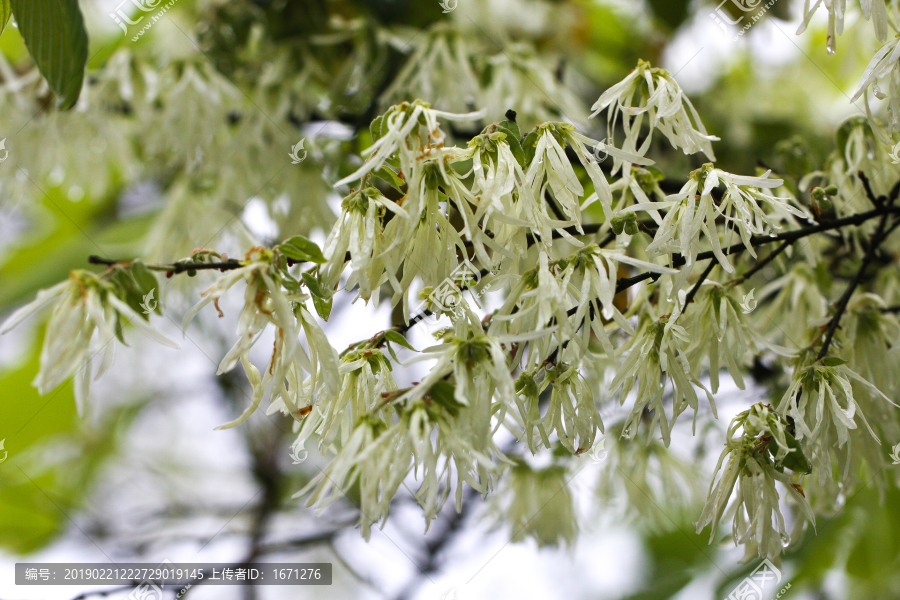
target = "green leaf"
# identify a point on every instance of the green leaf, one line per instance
(323, 307)
(513, 140)
(312, 284)
(529, 146)
(795, 460)
(833, 361)
(5, 12)
(513, 128)
(53, 31)
(301, 249)
(144, 278)
(389, 176)
(443, 392)
(376, 128)
(392, 335)
(323, 299)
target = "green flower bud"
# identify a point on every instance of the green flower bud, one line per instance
(526, 385)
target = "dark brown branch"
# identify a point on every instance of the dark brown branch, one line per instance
(877, 201)
(182, 267)
(878, 237)
(761, 264)
(690, 297)
(760, 240)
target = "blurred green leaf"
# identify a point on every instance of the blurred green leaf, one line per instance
(54, 32)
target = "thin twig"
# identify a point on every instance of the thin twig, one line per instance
(183, 267)
(877, 201)
(878, 237)
(758, 266)
(690, 297)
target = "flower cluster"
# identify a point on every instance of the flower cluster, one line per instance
(89, 313)
(590, 308)
(759, 447)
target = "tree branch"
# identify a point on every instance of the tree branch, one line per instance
(878, 237)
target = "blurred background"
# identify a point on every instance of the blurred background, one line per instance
(181, 140)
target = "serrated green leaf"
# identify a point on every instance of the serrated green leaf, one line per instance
(301, 249)
(392, 335)
(376, 128)
(53, 31)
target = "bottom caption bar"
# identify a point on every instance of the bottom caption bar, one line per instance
(173, 574)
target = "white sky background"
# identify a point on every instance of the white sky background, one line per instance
(177, 431)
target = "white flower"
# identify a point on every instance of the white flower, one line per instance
(572, 413)
(379, 454)
(885, 64)
(550, 170)
(661, 486)
(837, 9)
(654, 93)
(516, 72)
(822, 403)
(756, 460)
(85, 304)
(584, 149)
(265, 302)
(439, 70)
(366, 380)
(408, 129)
(537, 503)
(693, 210)
(359, 231)
(656, 355)
(866, 332)
(718, 330)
